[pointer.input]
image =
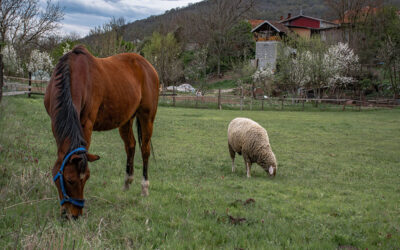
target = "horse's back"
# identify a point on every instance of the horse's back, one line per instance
(127, 83)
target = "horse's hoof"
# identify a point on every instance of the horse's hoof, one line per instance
(145, 188)
(128, 181)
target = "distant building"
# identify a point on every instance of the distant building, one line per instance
(306, 26)
(268, 34)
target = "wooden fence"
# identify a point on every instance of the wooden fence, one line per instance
(220, 101)
(18, 86)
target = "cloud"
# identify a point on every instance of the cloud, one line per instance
(82, 15)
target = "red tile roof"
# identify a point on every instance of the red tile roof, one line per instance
(349, 15)
(255, 23)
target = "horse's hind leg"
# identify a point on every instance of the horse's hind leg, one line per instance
(146, 127)
(127, 136)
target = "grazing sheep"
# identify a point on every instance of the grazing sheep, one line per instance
(247, 137)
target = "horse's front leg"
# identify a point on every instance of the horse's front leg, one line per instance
(127, 136)
(87, 128)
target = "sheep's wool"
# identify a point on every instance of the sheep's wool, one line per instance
(248, 138)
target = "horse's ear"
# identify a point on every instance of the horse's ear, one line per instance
(92, 158)
(75, 159)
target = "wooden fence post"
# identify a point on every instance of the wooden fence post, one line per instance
(262, 103)
(1, 75)
(219, 99)
(282, 103)
(303, 104)
(30, 84)
(344, 105)
(173, 96)
(241, 98)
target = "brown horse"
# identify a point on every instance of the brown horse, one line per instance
(86, 93)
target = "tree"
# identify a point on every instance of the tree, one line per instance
(210, 25)
(264, 77)
(22, 24)
(10, 59)
(311, 64)
(340, 63)
(40, 64)
(164, 53)
(351, 13)
(241, 44)
(383, 34)
(293, 66)
(107, 40)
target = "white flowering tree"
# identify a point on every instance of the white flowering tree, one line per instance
(313, 65)
(66, 48)
(293, 68)
(340, 62)
(264, 77)
(10, 60)
(40, 64)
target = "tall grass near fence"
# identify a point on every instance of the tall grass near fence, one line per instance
(269, 104)
(336, 185)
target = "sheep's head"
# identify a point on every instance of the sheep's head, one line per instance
(269, 164)
(272, 170)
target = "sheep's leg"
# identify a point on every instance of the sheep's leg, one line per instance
(232, 153)
(248, 168)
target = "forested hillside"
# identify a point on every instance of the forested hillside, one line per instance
(265, 9)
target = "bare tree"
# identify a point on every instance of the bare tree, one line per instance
(350, 13)
(23, 23)
(210, 25)
(107, 39)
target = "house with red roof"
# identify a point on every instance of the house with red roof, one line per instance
(302, 25)
(268, 34)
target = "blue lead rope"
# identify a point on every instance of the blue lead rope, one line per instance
(66, 198)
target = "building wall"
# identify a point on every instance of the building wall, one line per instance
(266, 54)
(331, 36)
(302, 32)
(305, 22)
(328, 25)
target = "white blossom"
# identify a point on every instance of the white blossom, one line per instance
(262, 74)
(40, 64)
(10, 59)
(66, 48)
(339, 62)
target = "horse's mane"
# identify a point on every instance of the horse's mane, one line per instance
(67, 123)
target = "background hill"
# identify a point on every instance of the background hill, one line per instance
(266, 9)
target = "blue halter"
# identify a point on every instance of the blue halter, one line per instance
(66, 198)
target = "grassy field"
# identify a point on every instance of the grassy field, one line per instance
(337, 185)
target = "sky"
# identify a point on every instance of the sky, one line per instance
(83, 15)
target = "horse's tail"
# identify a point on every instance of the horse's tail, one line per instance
(139, 132)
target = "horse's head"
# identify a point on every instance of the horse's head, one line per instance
(70, 175)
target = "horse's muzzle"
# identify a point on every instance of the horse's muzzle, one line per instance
(70, 212)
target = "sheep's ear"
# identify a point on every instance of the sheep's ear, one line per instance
(271, 170)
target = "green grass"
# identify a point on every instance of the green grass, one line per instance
(225, 84)
(337, 184)
(271, 104)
